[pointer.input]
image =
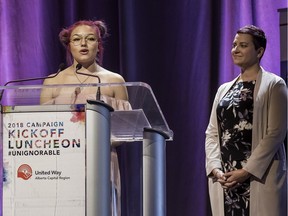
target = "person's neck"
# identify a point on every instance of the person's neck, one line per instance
(87, 68)
(249, 74)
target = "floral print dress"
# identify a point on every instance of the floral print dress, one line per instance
(235, 114)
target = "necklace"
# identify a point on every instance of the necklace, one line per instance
(79, 89)
(80, 80)
(88, 76)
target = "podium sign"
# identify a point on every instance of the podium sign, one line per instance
(43, 158)
(56, 156)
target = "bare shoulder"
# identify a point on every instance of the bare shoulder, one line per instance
(59, 79)
(110, 77)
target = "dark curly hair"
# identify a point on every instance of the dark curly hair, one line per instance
(101, 32)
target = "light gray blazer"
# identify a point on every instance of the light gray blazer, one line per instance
(267, 163)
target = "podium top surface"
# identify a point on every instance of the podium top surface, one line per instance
(128, 119)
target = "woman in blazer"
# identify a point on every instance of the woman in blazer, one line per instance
(245, 153)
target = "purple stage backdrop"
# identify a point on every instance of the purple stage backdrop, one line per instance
(181, 48)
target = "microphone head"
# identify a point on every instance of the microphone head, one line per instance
(61, 66)
(78, 66)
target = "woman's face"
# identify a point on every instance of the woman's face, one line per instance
(243, 51)
(84, 44)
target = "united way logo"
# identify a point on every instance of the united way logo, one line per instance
(24, 172)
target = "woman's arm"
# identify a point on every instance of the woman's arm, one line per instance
(120, 92)
(275, 123)
(46, 93)
(212, 145)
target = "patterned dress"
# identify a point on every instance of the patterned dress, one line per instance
(235, 114)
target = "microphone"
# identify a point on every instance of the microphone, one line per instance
(98, 93)
(60, 68)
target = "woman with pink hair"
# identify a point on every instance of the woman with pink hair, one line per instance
(83, 41)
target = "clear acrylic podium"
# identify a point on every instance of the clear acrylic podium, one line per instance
(105, 123)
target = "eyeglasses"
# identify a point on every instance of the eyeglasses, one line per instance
(77, 40)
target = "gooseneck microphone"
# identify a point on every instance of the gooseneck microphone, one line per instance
(98, 93)
(60, 68)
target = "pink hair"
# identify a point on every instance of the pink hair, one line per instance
(101, 32)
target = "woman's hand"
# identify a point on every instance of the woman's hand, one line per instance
(219, 175)
(235, 178)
